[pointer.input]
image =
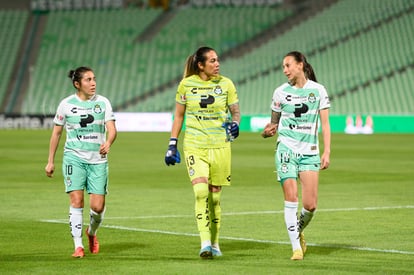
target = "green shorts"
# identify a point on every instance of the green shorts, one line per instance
(212, 163)
(289, 163)
(79, 175)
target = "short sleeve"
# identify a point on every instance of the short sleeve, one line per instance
(60, 118)
(325, 103)
(276, 101)
(232, 97)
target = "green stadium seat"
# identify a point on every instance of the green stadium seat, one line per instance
(12, 25)
(346, 41)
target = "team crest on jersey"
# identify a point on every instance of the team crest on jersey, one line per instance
(312, 98)
(191, 171)
(218, 90)
(284, 168)
(183, 98)
(97, 109)
(68, 181)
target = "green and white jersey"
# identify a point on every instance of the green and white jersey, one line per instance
(299, 107)
(85, 126)
(206, 105)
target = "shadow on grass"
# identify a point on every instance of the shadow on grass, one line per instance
(244, 249)
(326, 249)
(123, 246)
(322, 250)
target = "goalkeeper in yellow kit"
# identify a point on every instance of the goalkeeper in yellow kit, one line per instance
(209, 102)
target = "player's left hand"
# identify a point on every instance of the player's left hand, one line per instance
(325, 161)
(104, 148)
(232, 129)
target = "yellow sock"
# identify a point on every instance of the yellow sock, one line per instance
(202, 212)
(215, 215)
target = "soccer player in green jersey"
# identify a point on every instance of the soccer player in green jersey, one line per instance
(296, 108)
(90, 132)
(208, 100)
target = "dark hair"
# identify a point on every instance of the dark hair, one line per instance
(307, 68)
(77, 74)
(191, 64)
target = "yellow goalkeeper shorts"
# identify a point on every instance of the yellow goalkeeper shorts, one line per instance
(212, 163)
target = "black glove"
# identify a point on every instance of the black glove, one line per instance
(232, 130)
(172, 156)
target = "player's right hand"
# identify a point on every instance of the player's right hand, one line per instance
(49, 169)
(172, 156)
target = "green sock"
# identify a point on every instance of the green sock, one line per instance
(215, 216)
(202, 212)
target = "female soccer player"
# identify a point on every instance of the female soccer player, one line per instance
(205, 98)
(296, 107)
(90, 132)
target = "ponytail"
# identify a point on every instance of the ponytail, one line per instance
(309, 73)
(191, 67)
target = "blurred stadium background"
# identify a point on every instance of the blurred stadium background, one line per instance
(362, 51)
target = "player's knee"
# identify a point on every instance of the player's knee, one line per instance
(76, 201)
(98, 209)
(310, 207)
(200, 191)
(215, 196)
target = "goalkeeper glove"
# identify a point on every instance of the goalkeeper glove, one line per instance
(232, 130)
(172, 156)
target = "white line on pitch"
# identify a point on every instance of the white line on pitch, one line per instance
(394, 251)
(262, 212)
(268, 212)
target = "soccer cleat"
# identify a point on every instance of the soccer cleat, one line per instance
(206, 252)
(216, 252)
(93, 242)
(297, 255)
(302, 242)
(79, 253)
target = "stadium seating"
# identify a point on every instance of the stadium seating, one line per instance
(12, 24)
(357, 60)
(385, 97)
(99, 39)
(361, 51)
(104, 40)
(346, 47)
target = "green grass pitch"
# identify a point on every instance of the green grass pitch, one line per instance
(364, 223)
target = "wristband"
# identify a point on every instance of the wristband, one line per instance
(173, 141)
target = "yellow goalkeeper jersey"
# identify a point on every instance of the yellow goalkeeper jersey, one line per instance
(206, 105)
